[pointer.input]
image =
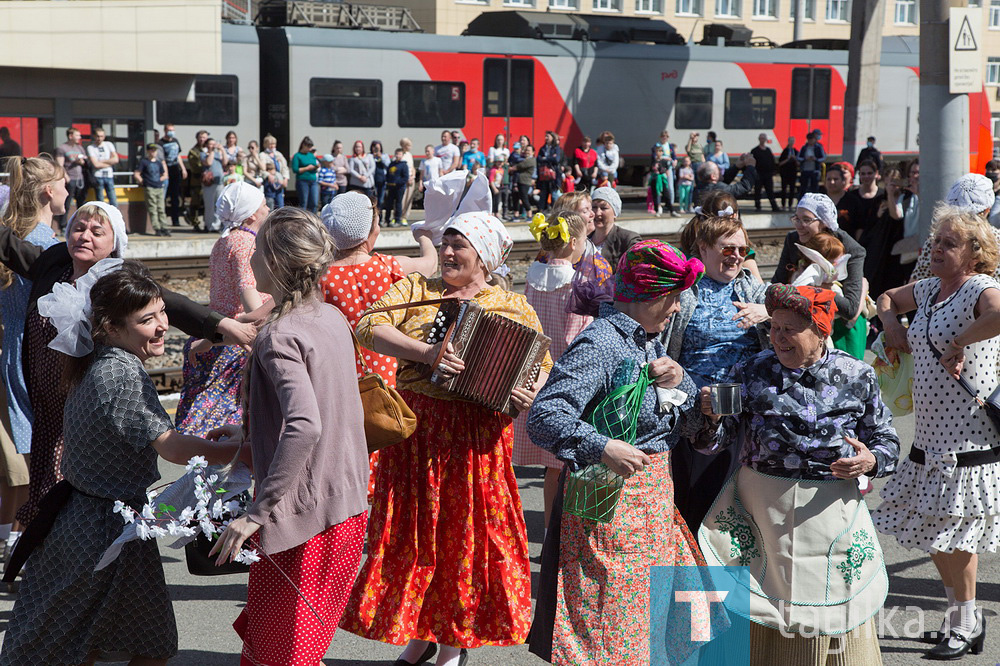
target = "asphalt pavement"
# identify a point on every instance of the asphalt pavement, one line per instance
(206, 607)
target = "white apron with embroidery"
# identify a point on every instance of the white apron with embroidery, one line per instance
(809, 557)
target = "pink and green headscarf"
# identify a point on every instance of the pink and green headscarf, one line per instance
(651, 269)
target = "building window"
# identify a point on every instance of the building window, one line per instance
(431, 104)
(810, 84)
(975, 3)
(518, 3)
(345, 102)
(216, 102)
(648, 6)
(693, 108)
(688, 8)
(906, 12)
(607, 5)
(765, 9)
(727, 8)
(809, 11)
(562, 4)
(993, 71)
(522, 87)
(994, 13)
(749, 108)
(838, 10)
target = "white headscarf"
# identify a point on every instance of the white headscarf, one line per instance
(487, 234)
(448, 197)
(236, 204)
(68, 309)
(822, 207)
(972, 193)
(117, 225)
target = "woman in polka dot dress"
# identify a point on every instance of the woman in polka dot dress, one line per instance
(308, 513)
(945, 499)
(210, 397)
(358, 276)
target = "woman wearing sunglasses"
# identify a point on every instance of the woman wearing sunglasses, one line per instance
(815, 213)
(722, 321)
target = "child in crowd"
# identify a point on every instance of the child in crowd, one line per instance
(151, 172)
(685, 184)
(430, 168)
(526, 181)
(568, 181)
(327, 179)
(661, 183)
(549, 289)
(397, 175)
(234, 174)
(498, 187)
(274, 186)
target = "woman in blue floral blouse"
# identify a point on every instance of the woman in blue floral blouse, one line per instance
(721, 322)
(793, 518)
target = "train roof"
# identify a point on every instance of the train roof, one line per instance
(897, 51)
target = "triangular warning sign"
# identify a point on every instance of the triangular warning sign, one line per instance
(966, 40)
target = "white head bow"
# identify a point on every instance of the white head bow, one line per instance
(825, 271)
(68, 309)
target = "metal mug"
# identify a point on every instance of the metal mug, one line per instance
(727, 399)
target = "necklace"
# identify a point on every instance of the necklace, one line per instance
(247, 229)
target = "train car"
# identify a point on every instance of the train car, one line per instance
(332, 84)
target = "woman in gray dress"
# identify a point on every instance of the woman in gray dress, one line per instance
(68, 613)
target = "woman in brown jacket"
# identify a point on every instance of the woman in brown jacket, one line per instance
(305, 428)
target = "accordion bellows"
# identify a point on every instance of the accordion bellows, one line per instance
(499, 353)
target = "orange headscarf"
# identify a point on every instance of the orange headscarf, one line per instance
(814, 304)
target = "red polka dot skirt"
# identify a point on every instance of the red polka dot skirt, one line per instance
(277, 626)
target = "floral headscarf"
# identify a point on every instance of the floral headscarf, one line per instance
(816, 305)
(651, 269)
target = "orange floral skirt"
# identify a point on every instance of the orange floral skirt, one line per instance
(447, 545)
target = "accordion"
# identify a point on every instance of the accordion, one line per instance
(499, 354)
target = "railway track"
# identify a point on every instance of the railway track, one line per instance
(170, 379)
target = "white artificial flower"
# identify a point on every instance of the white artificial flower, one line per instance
(217, 509)
(157, 531)
(147, 512)
(128, 514)
(197, 462)
(187, 514)
(119, 505)
(247, 556)
(212, 479)
(142, 531)
(207, 526)
(233, 507)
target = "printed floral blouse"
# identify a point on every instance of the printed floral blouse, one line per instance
(416, 322)
(607, 354)
(795, 420)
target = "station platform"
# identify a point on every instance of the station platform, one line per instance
(188, 243)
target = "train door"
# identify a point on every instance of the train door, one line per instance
(508, 100)
(810, 103)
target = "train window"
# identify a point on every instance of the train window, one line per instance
(216, 102)
(522, 88)
(817, 80)
(431, 104)
(749, 108)
(693, 108)
(345, 102)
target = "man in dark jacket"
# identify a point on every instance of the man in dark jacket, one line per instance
(766, 167)
(870, 152)
(709, 178)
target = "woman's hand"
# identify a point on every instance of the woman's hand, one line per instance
(855, 466)
(623, 458)
(749, 314)
(232, 539)
(523, 398)
(231, 433)
(236, 333)
(895, 336)
(705, 397)
(450, 364)
(666, 372)
(953, 359)
(198, 347)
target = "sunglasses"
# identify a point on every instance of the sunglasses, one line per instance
(730, 250)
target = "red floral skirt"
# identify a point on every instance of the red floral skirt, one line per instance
(447, 546)
(277, 626)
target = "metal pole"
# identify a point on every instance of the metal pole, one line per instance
(800, 8)
(863, 61)
(944, 118)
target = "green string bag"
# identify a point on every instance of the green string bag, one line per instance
(593, 492)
